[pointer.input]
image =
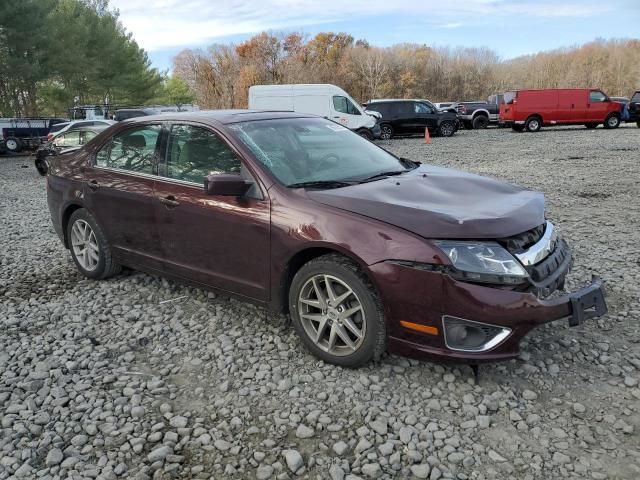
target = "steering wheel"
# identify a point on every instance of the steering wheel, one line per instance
(328, 160)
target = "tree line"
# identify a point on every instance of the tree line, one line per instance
(220, 75)
(57, 53)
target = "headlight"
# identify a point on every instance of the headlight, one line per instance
(483, 262)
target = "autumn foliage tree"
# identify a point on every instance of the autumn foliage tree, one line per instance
(220, 76)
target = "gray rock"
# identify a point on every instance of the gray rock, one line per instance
(304, 432)
(222, 445)
(264, 472)
(335, 472)
(371, 470)
(294, 460)
(159, 454)
(178, 421)
(496, 457)
(421, 470)
(340, 448)
(54, 457)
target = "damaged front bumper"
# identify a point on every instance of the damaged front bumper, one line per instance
(428, 298)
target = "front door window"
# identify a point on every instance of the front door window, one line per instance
(193, 153)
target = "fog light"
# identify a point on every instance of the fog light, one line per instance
(470, 336)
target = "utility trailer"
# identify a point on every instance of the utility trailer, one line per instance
(26, 133)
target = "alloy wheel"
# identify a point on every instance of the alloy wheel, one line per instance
(613, 121)
(447, 129)
(386, 132)
(11, 145)
(332, 315)
(85, 245)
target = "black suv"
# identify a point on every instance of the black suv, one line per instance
(409, 117)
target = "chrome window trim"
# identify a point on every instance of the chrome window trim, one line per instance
(133, 173)
(491, 344)
(541, 250)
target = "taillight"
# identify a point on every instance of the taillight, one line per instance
(49, 137)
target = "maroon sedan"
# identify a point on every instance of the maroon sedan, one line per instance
(364, 250)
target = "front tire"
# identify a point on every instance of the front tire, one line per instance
(386, 131)
(336, 312)
(481, 121)
(612, 121)
(89, 247)
(533, 124)
(446, 129)
(364, 133)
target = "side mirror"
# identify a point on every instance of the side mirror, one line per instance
(226, 184)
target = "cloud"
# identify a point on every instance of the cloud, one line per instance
(451, 25)
(161, 24)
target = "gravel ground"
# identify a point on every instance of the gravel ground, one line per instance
(140, 377)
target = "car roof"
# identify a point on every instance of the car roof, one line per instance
(220, 116)
(381, 100)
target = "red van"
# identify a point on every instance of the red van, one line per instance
(532, 109)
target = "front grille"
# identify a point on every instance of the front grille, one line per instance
(522, 241)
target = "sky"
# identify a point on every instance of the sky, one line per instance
(509, 27)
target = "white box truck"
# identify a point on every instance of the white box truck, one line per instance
(324, 100)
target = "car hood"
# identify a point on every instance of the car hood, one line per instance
(436, 202)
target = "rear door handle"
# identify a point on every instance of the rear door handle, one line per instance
(170, 201)
(93, 185)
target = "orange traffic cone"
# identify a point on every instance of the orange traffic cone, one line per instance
(427, 137)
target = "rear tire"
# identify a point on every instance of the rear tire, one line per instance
(315, 308)
(13, 144)
(533, 124)
(446, 129)
(591, 125)
(481, 121)
(89, 247)
(612, 121)
(386, 131)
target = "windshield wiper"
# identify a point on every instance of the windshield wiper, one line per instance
(380, 175)
(322, 184)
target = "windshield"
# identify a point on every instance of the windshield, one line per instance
(304, 150)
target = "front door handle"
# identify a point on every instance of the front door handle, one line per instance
(94, 185)
(169, 201)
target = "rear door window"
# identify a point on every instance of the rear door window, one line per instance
(131, 150)
(193, 153)
(419, 107)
